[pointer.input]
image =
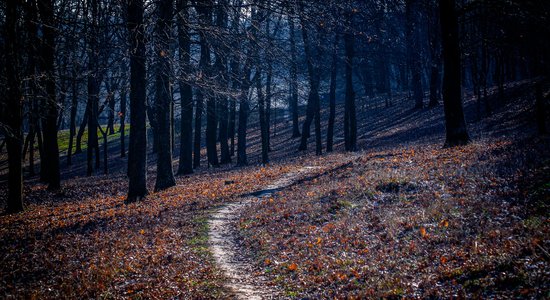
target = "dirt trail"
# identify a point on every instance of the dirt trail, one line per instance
(225, 246)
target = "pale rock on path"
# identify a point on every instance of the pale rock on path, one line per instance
(225, 249)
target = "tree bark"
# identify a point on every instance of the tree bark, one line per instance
(332, 95)
(313, 105)
(198, 129)
(350, 119)
(205, 15)
(456, 132)
(186, 92)
(293, 78)
(51, 149)
(122, 115)
(435, 51)
(93, 93)
(262, 116)
(81, 129)
(221, 67)
(137, 148)
(163, 94)
(72, 121)
(413, 52)
(13, 115)
(244, 108)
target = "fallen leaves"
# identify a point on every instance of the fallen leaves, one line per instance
(410, 225)
(85, 243)
(423, 232)
(292, 267)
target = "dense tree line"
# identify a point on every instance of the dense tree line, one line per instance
(201, 69)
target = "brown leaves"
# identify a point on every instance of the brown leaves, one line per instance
(292, 267)
(406, 241)
(86, 243)
(423, 232)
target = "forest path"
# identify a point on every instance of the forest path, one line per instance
(224, 243)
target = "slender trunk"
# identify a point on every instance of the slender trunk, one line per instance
(163, 94)
(32, 43)
(31, 155)
(26, 144)
(186, 92)
(51, 148)
(293, 79)
(122, 117)
(81, 130)
(332, 95)
(211, 117)
(435, 51)
(221, 68)
(232, 119)
(350, 121)
(104, 134)
(243, 115)
(13, 115)
(413, 52)
(269, 79)
(262, 115)
(198, 129)
(313, 109)
(111, 114)
(235, 71)
(455, 124)
(243, 120)
(93, 93)
(137, 150)
(72, 122)
(43, 164)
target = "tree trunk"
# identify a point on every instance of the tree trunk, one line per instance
(232, 127)
(221, 68)
(122, 116)
(104, 134)
(332, 95)
(211, 116)
(51, 149)
(435, 51)
(198, 129)
(31, 152)
(72, 121)
(111, 114)
(262, 115)
(413, 52)
(350, 120)
(235, 70)
(455, 124)
(243, 120)
(186, 92)
(13, 115)
(137, 150)
(93, 92)
(293, 79)
(81, 130)
(313, 109)
(165, 175)
(243, 113)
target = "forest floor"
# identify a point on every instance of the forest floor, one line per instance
(400, 217)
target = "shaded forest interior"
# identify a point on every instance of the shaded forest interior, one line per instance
(116, 113)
